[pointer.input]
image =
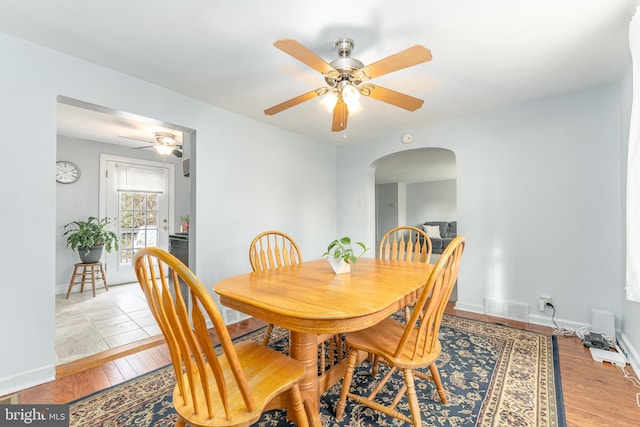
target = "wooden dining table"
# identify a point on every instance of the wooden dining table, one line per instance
(309, 300)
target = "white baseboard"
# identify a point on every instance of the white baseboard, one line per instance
(473, 308)
(538, 319)
(27, 379)
(62, 289)
(632, 354)
(506, 309)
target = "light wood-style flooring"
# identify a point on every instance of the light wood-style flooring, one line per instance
(595, 394)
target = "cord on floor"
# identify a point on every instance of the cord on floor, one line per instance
(565, 330)
(635, 383)
(580, 333)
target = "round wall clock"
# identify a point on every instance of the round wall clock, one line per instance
(67, 172)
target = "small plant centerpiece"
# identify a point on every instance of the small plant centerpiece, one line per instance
(341, 255)
(90, 238)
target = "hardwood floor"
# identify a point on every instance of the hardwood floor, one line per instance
(595, 394)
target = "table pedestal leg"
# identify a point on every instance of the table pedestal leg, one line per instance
(304, 347)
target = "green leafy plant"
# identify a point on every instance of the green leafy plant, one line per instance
(92, 232)
(342, 249)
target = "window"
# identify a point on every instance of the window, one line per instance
(139, 222)
(633, 169)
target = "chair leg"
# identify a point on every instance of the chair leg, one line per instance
(298, 406)
(181, 422)
(323, 360)
(267, 335)
(374, 366)
(346, 384)
(339, 347)
(436, 379)
(412, 397)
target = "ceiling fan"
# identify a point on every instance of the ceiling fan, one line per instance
(165, 143)
(347, 79)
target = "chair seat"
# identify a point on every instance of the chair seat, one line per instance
(260, 365)
(382, 340)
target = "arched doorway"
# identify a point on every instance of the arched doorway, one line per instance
(414, 187)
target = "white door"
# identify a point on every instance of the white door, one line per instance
(137, 197)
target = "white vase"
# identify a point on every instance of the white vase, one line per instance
(339, 265)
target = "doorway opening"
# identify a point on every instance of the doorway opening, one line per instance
(415, 187)
(150, 201)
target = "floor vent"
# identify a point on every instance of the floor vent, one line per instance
(506, 309)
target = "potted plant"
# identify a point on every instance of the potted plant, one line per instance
(341, 255)
(184, 227)
(90, 237)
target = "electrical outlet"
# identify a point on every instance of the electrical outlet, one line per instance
(544, 299)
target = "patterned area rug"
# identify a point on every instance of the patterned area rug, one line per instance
(494, 376)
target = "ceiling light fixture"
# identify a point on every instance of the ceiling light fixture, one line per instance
(349, 93)
(347, 78)
(330, 100)
(165, 143)
(163, 149)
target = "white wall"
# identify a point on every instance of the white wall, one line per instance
(387, 208)
(538, 189)
(81, 199)
(248, 177)
(431, 201)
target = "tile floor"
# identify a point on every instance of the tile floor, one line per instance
(87, 325)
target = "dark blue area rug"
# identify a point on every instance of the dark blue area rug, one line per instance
(494, 375)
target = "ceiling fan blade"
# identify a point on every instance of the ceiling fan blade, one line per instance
(304, 55)
(340, 116)
(136, 139)
(295, 101)
(409, 57)
(177, 153)
(391, 97)
(140, 148)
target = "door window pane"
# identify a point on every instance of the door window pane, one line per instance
(138, 223)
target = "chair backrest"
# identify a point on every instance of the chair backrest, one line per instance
(421, 333)
(405, 243)
(273, 249)
(187, 334)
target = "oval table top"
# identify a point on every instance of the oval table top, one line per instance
(309, 297)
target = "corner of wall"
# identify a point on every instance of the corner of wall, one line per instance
(27, 379)
(632, 353)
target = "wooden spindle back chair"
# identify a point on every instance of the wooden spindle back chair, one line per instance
(273, 249)
(405, 243)
(409, 346)
(229, 389)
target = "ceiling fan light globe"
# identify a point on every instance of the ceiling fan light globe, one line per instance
(165, 150)
(165, 138)
(350, 94)
(354, 106)
(329, 101)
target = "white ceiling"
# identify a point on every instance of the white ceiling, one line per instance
(486, 53)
